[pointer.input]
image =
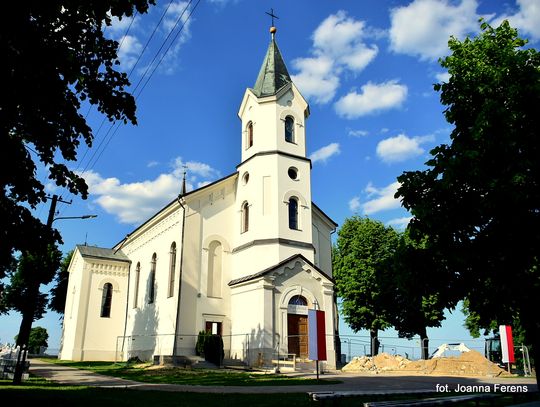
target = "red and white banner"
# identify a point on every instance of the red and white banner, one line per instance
(317, 335)
(507, 344)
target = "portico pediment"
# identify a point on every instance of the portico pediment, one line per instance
(292, 266)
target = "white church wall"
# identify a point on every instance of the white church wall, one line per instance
(151, 326)
(101, 333)
(73, 313)
(322, 231)
(249, 330)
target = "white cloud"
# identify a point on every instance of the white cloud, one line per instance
(526, 19)
(382, 199)
(358, 133)
(137, 201)
(176, 19)
(354, 204)
(316, 78)
(399, 223)
(424, 27)
(119, 27)
(129, 50)
(194, 168)
(324, 153)
(372, 98)
(338, 46)
(152, 164)
(400, 148)
(442, 77)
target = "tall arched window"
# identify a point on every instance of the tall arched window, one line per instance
(249, 135)
(245, 217)
(215, 257)
(293, 213)
(152, 280)
(289, 129)
(137, 280)
(172, 269)
(106, 300)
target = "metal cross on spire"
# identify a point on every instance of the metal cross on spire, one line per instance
(271, 14)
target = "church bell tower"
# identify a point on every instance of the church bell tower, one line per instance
(274, 185)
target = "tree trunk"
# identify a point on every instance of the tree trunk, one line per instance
(374, 342)
(424, 343)
(24, 335)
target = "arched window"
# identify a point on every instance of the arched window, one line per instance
(172, 269)
(106, 300)
(297, 300)
(152, 280)
(293, 213)
(289, 129)
(215, 257)
(249, 135)
(245, 217)
(137, 280)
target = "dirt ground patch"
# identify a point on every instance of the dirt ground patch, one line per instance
(470, 363)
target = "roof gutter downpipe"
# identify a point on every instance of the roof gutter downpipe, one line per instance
(176, 333)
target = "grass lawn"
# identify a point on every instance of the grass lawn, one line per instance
(37, 391)
(145, 372)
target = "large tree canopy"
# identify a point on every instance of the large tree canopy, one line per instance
(412, 300)
(479, 200)
(54, 56)
(363, 248)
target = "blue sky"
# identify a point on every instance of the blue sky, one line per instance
(366, 67)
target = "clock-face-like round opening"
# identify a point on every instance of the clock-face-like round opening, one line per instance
(293, 173)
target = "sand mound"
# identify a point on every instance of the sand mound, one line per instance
(470, 363)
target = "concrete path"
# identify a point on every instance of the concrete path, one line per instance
(358, 382)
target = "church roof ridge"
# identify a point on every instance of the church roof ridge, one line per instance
(273, 74)
(102, 253)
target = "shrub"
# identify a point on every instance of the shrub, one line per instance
(201, 340)
(213, 349)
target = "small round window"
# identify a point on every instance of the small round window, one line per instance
(293, 173)
(245, 178)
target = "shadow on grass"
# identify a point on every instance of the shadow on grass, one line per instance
(199, 377)
(37, 391)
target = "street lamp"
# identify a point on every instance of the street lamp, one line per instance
(75, 217)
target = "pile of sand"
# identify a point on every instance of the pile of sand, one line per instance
(467, 364)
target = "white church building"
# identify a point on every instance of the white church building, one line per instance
(244, 257)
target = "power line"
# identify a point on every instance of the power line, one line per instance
(88, 166)
(170, 44)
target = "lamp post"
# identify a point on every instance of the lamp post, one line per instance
(75, 217)
(27, 318)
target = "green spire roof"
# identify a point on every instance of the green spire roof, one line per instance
(273, 74)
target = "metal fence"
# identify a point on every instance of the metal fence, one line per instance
(270, 351)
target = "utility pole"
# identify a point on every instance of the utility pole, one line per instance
(28, 316)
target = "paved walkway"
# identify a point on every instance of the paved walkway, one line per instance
(364, 383)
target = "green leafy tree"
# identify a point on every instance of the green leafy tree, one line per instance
(412, 304)
(38, 338)
(55, 57)
(362, 249)
(479, 200)
(57, 297)
(22, 294)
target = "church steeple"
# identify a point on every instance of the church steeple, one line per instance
(273, 74)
